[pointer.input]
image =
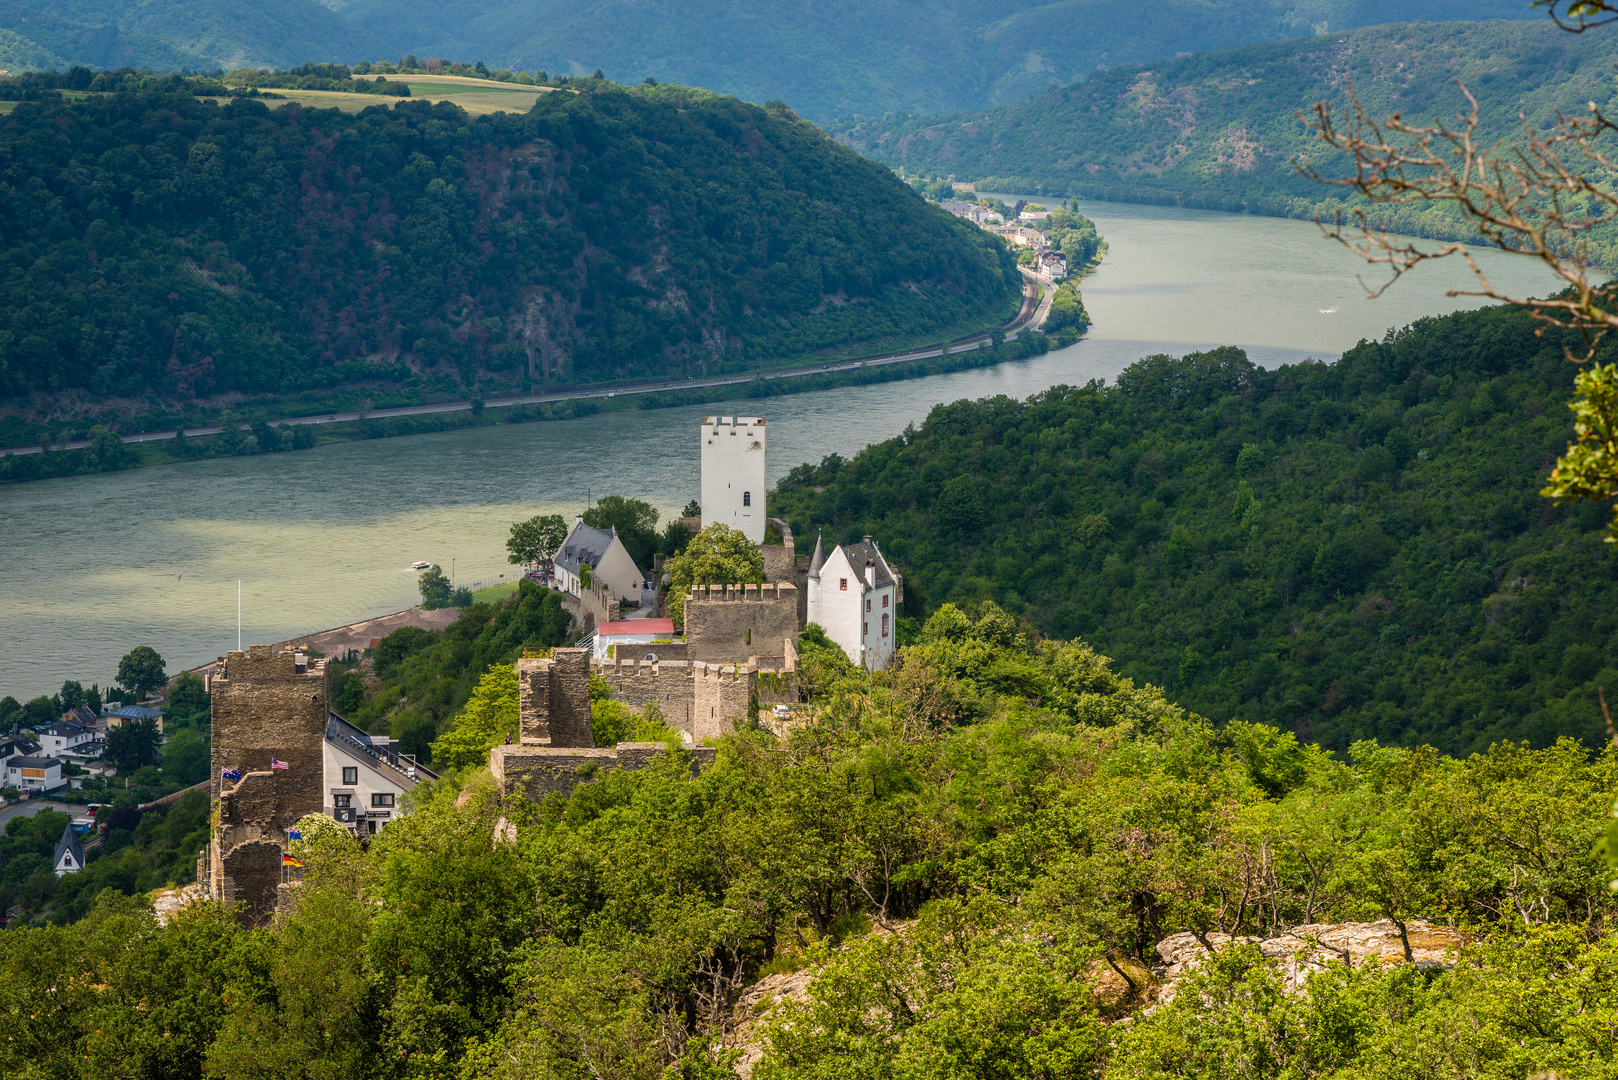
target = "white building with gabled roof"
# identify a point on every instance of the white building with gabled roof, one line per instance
(604, 553)
(854, 596)
(69, 858)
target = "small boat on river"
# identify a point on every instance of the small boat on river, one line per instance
(420, 565)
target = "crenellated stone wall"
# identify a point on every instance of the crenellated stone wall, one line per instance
(553, 696)
(734, 622)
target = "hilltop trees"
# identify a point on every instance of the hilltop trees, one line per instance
(718, 555)
(141, 671)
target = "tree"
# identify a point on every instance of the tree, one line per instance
(958, 510)
(489, 717)
(141, 671)
(718, 555)
(132, 745)
(635, 521)
(1541, 198)
(70, 696)
(188, 699)
(536, 540)
(692, 509)
(435, 590)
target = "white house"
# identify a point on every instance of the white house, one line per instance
(854, 596)
(365, 777)
(66, 736)
(34, 773)
(1051, 262)
(609, 562)
(733, 486)
(628, 635)
(69, 852)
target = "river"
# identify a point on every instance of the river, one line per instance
(99, 564)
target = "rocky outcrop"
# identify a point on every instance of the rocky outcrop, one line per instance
(1307, 949)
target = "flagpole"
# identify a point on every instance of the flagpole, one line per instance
(238, 614)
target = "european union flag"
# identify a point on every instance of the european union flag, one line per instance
(229, 774)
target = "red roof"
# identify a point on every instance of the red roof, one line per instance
(660, 627)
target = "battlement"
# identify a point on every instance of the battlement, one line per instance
(767, 593)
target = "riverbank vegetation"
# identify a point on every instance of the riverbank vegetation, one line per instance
(1223, 130)
(954, 857)
(290, 251)
(267, 433)
(1347, 551)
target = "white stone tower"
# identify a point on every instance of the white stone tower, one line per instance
(733, 473)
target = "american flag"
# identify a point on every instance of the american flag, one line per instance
(277, 763)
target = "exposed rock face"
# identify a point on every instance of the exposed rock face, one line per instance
(1307, 949)
(759, 999)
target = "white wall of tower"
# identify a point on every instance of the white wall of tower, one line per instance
(733, 452)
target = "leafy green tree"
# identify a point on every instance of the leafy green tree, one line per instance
(635, 522)
(959, 510)
(537, 539)
(188, 700)
(435, 588)
(718, 555)
(132, 745)
(141, 671)
(489, 718)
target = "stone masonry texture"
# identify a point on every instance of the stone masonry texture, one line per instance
(734, 622)
(539, 771)
(265, 705)
(553, 696)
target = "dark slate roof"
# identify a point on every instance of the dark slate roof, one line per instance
(584, 545)
(68, 842)
(18, 744)
(80, 714)
(67, 729)
(34, 762)
(866, 551)
(819, 559)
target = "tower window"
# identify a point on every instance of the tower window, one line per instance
(842, 584)
(747, 498)
(884, 599)
(867, 603)
(884, 626)
(865, 629)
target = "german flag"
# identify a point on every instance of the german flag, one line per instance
(288, 860)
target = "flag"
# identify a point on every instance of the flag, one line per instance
(294, 834)
(227, 773)
(288, 860)
(277, 763)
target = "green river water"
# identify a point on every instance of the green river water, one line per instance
(320, 538)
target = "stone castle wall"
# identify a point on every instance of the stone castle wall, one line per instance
(734, 622)
(553, 696)
(265, 705)
(538, 771)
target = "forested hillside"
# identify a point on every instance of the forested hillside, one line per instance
(156, 244)
(1222, 130)
(1347, 551)
(947, 878)
(825, 59)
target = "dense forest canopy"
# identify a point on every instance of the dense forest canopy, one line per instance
(827, 60)
(1222, 130)
(153, 242)
(1347, 551)
(957, 860)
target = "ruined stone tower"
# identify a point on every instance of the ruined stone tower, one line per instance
(266, 708)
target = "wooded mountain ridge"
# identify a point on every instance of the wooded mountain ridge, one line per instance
(155, 243)
(1222, 130)
(827, 60)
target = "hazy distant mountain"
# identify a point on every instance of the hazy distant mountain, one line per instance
(826, 59)
(1222, 130)
(178, 33)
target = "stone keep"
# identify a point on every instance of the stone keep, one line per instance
(733, 449)
(264, 706)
